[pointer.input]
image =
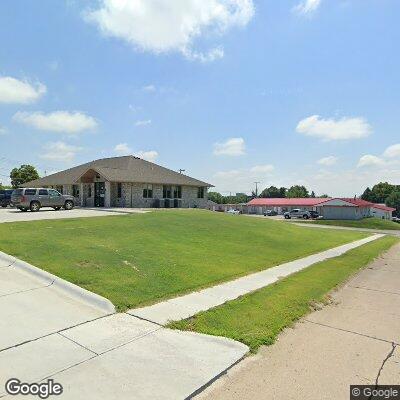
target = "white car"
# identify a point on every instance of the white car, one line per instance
(233, 212)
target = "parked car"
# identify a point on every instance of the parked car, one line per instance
(396, 219)
(233, 212)
(314, 214)
(297, 213)
(270, 213)
(35, 198)
(5, 197)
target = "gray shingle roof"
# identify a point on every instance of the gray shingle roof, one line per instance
(120, 169)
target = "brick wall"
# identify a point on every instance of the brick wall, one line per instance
(132, 196)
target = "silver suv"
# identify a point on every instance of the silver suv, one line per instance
(297, 213)
(35, 198)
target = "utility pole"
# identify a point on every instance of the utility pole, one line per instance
(257, 188)
(181, 170)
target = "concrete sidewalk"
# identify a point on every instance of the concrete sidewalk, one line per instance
(14, 215)
(185, 306)
(355, 340)
(46, 332)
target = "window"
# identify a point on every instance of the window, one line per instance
(90, 191)
(43, 192)
(59, 189)
(54, 193)
(119, 190)
(177, 192)
(200, 192)
(148, 191)
(167, 192)
(30, 192)
(75, 190)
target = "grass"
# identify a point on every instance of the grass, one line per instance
(140, 259)
(256, 319)
(371, 223)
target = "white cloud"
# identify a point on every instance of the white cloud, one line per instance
(262, 169)
(60, 151)
(328, 161)
(3, 130)
(161, 26)
(345, 128)
(370, 160)
(14, 91)
(307, 7)
(211, 55)
(242, 180)
(122, 149)
(392, 151)
(149, 88)
(143, 122)
(150, 155)
(231, 147)
(57, 121)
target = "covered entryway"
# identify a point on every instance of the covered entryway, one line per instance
(99, 194)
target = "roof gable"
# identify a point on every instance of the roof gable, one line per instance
(121, 169)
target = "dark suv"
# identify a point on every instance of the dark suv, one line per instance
(35, 198)
(5, 197)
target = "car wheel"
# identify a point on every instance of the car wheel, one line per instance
(287, 217)
(4, 205)
(56, 208)
(305, 216)
(35, 206)
(69, 205)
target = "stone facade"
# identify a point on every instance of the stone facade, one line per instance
(132, 196)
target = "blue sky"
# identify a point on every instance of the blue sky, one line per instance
(233, 91)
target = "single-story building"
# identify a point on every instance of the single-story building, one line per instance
(382, 211)
(328, 208)
(127, 181)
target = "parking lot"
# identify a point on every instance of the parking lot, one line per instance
(14, 215)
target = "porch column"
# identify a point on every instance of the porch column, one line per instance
(107, 199)
(81, 194)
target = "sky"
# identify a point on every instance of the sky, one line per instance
(232, 91)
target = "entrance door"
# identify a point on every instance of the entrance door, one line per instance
(99, 194)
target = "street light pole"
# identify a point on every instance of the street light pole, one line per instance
(256, 188)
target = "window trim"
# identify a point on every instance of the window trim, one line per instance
(148, 191)
(200, 192)
(166, 189)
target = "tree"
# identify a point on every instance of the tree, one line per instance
(382, 191)
(271, 192)
(282, 192)
(297, 191)
(215, 197)
(324, 196)
(25, 173)
(368, 195)
(312, 194)
(393, 200)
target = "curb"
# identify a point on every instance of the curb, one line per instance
(68, 288)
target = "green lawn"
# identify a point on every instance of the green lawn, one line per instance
(141, 258)
(257, 318)
(371, 223)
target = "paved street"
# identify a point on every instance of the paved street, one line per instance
(355, 340)
(347, 228)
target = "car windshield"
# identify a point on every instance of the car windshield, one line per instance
(17, 191)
